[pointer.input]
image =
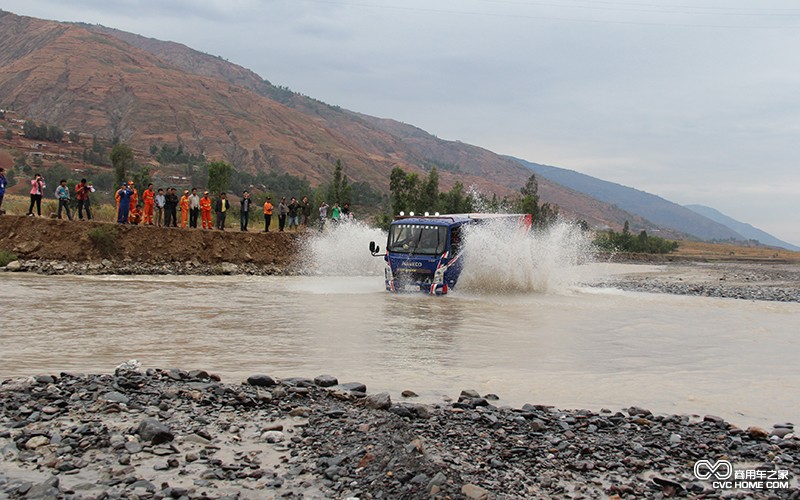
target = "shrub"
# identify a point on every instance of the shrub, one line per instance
(6, 257)
(104, 239)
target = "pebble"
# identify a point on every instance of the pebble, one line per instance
(380, 401)
(261, 380)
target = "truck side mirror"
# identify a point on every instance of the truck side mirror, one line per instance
(373, 248)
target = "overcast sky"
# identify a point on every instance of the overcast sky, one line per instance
(693, 100)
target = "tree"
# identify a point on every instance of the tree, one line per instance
(455, 201)
(9, 134)
(122, 159)
(335, 186)
(404, 188)
(219, 176)
(141, 178)
(75, 137)
(429, 194)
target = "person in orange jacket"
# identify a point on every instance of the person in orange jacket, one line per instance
(267, 214)
(149, 198)
(134, 196)
(184, 203)
(205, 211)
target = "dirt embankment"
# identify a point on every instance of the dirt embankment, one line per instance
(37, 238)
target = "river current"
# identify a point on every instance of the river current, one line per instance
(553, 342)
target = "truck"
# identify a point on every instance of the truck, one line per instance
(426, 253)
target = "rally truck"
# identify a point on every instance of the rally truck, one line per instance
(425, 253)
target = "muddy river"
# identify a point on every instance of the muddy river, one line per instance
(572, 346)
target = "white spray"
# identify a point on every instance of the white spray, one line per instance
(343, 250)
(504, 259)
(497, 258)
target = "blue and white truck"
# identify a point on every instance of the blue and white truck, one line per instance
(425, 253)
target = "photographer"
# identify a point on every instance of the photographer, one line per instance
(37, 189)
(82, 190)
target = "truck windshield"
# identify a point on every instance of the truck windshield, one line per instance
(417, 239)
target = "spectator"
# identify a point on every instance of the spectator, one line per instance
(134, 196)
(62, 193)
(305, 211)
(336, 212)
(267, 214)
(294, 214)
(123, 209)
(223, 205)
(37, 189)
(244, 211)
(82, 190)
(323, 214)
(149, 199)
(194, 208)
(171, 208)
(135, 217)
(185, 209)
(283, 210)
(205, 211)
(3, 184)
(159, 206)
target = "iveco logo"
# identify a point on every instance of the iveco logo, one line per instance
(411, 263)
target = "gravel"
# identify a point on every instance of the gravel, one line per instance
(185, 434)
(746, 281)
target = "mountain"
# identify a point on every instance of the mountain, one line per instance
(743, 228)
(664, 213)
(145, 91)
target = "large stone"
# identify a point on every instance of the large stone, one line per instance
(154, 432)
(354, 387)
(474, 492)
(261, 380)
(757, 432)
(37, 442)
(114, 397)
(14, 266)
(326, 380)
(470, 393)
(229, 268)
(380, 401)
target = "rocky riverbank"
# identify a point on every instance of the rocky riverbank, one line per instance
(108, 267)
(53, 246)
(185, 434)
(738, 280)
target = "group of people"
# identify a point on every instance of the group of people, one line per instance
(62, 193)
(160, 207)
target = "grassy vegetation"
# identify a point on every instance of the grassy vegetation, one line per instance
(613, 241)
(6, 257)
(104, 239)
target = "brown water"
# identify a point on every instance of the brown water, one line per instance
(572, 348)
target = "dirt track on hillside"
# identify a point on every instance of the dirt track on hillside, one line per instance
(36, 238)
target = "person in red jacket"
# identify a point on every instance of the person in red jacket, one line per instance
(205, 211)
(149, 199)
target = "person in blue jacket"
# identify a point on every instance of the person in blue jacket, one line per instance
(3, 184)
(124, 194)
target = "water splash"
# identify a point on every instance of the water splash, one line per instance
(498, 258)
(343, 250)
(503, 259)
